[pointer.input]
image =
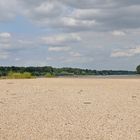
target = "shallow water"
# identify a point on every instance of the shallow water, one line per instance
(105, 77)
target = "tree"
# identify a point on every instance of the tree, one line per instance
(138, 69)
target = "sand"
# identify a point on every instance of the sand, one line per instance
(70, 109)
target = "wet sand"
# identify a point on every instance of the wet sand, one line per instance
(70, 109)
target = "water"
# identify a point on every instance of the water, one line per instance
(105, 77)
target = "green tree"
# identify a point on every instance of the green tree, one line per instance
(138, 69)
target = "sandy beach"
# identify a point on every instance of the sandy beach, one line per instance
(70, 109)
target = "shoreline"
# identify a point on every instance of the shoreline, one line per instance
(82, 77)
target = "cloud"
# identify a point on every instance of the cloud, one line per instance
(11, 45)
(11, 42)
(26, 42)
(81, 15)
(5, 35)
(75, 15)
(78, 60)
(5, 40)
(126, 53)
(60, 39)
(73, 30)
(118, 33)
(90, 4)
(17, 59)
(75, 54)
(72, 58)
(8, 9)
(58, 49)
(4, 55)
(42, 10)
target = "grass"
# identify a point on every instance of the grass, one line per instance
(17, 75)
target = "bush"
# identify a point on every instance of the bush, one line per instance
(26, 75)
(17, 75)
(49, 75)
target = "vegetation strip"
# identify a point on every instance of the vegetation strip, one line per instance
(48, 71)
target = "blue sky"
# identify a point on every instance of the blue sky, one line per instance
(95, 34)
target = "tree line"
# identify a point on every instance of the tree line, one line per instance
(51, 71)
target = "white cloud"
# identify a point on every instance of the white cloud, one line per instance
(126, 53)
(81, 15)
(118, 33)
(58, 49)
(75, 15)
(83, 25)
(5, 40)
(72, 22)
(42, 10)
(5, 35)
(10, 45)
(85, 13)
(61, 39)
(75, 54)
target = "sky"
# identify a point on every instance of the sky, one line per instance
(94, 34)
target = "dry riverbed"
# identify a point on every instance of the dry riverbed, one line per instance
(70, 109)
